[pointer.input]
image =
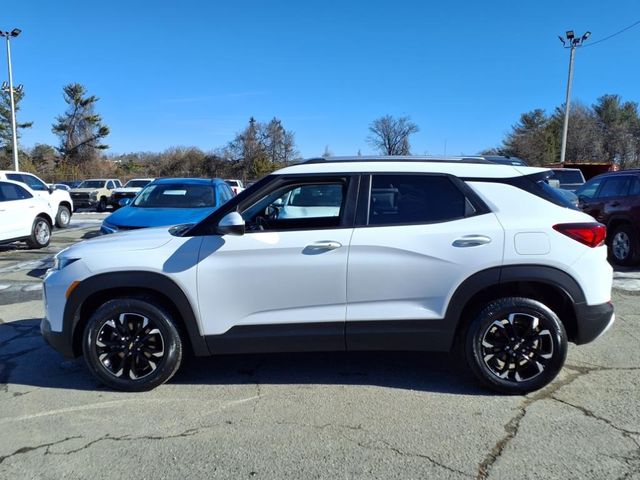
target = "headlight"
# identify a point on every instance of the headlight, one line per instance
(108, 228)
(61, 262)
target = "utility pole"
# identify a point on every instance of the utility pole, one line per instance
(573, 44)
(13, 33)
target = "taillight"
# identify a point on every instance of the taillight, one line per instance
(590, 234)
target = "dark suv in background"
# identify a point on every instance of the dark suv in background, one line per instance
(614, 199)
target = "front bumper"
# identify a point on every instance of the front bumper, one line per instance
(58, 340)
(593, 321)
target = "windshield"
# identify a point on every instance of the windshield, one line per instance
(137, 183)
(176, 195)
(568, 176)
(92, 184)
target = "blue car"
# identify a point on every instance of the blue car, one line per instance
(169, 201)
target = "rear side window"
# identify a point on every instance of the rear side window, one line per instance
(635, 187)
(414, 199)
(614, 187)
(537, 184)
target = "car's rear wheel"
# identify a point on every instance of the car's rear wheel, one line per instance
(40, 234)
(623, 246)
(516, 345)
(132, 344)
(63, 218)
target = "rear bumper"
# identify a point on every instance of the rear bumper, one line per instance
(593, 321)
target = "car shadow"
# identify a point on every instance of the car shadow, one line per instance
(26, 361)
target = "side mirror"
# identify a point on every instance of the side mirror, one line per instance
(231, 224)
(51, 188)
(124, 202)
(279, 202)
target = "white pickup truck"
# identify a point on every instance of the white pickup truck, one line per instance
(236, 185)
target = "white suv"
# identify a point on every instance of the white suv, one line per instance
(391, 253)
(59, 199)
(24, 215)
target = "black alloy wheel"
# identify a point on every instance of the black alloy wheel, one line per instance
(132, 345)
(516, 345)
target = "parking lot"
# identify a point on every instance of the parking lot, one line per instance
(338, 415)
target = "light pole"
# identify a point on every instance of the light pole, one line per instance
(13, 33)
(574, 42)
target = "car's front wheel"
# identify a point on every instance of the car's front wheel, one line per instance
(102, 205)
(516, 345)
(132, 344)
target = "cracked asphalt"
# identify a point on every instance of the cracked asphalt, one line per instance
(320, 415)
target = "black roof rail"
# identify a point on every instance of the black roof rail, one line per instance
(465, 159)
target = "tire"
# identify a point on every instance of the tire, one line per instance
(623, 246)
(63, 218)
(102, 205)
(40, 234)
(112, 354)
(519, 329)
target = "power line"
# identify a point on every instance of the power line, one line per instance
(612, 35)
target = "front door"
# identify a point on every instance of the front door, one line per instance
(281, 285)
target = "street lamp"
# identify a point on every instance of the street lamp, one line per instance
(13, 33)
(573, 42)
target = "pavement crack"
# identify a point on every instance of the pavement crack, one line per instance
(585, 411)
(187, 433)
(431, 460)
(513, 425)
(371, 445)
(23, 450)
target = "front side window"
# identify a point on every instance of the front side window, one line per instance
(298, 206)
(10, 192)
(614, 187)
(413, 199)
(224, 192)
(589, 189)
(33, 182)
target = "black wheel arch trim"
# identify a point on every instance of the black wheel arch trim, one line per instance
(135, 280)
(497, 276)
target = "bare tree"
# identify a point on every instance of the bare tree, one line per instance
(390, 136)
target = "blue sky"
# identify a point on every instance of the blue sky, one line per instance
(193, 72)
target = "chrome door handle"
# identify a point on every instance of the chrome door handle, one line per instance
(471, 241)
(325, 245)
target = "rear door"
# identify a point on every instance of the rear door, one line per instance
(421, 236)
